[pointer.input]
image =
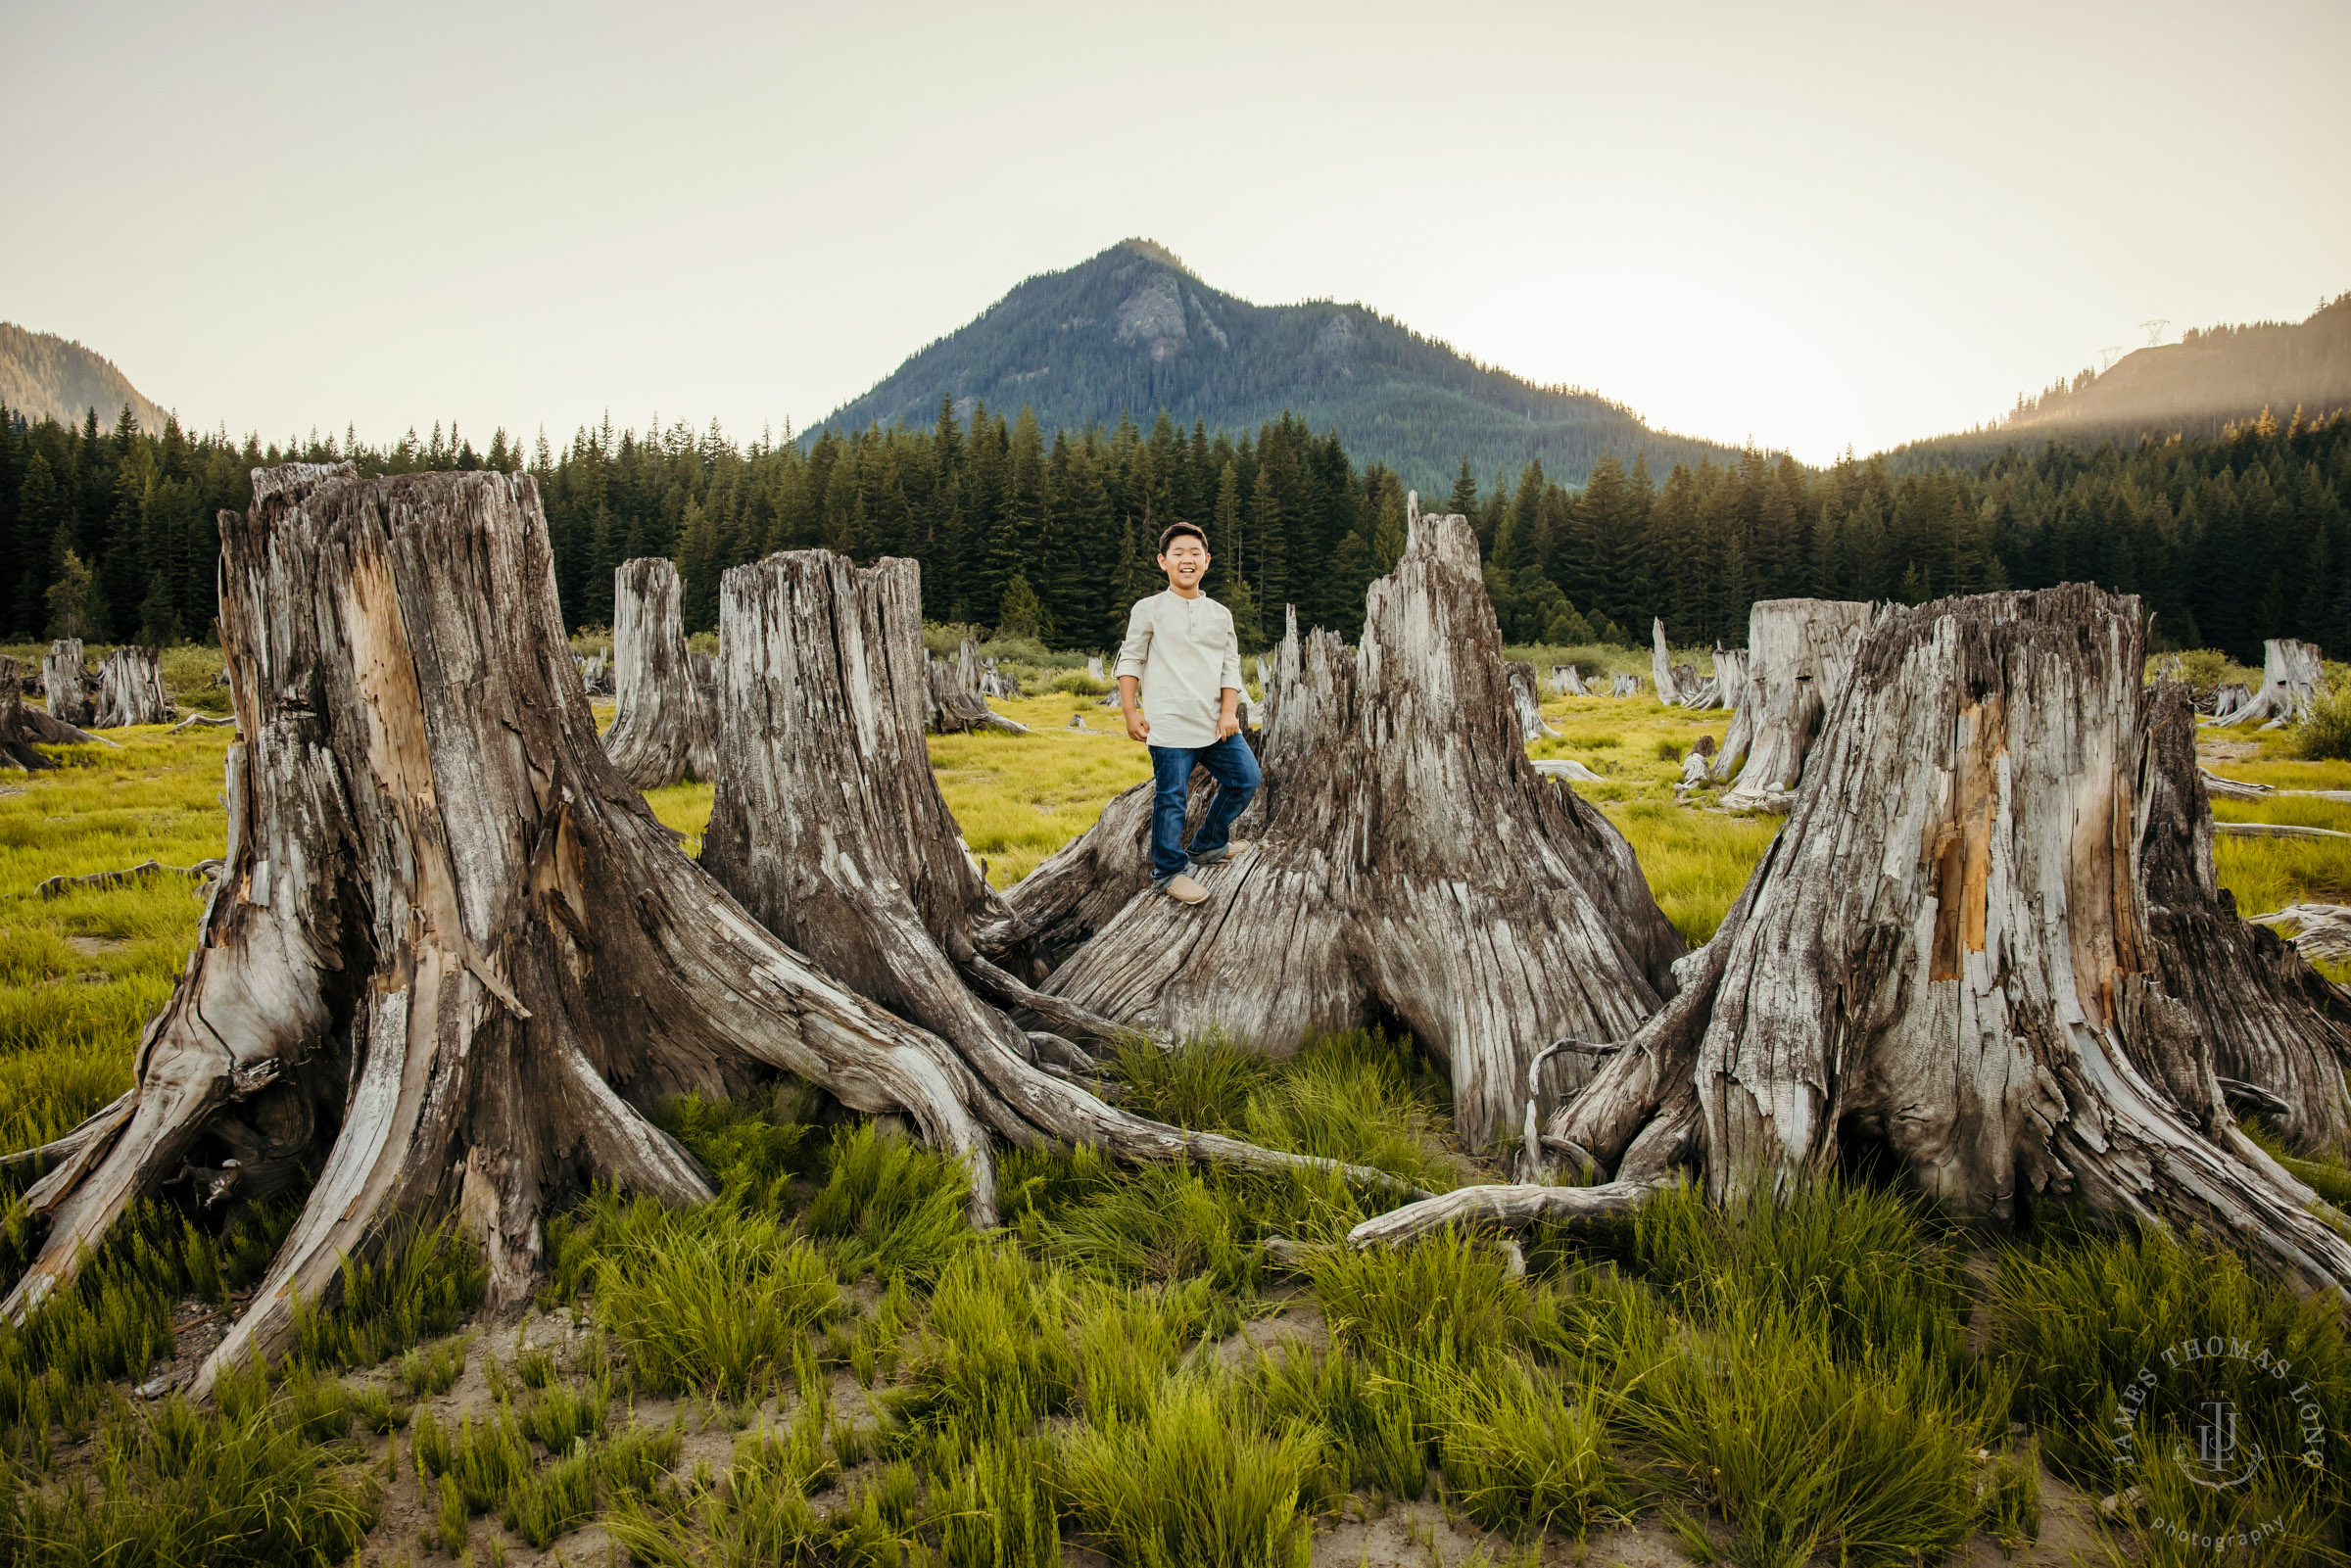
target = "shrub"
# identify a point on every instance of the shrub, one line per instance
(2324, 734)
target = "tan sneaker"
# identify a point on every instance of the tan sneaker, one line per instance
(1184, 890)
(1231, 848)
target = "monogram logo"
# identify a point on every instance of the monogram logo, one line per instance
(2219, 1460)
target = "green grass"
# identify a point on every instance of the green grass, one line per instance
(1788, 1381)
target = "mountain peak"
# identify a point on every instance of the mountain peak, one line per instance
(1153, 251)
(1133, 331)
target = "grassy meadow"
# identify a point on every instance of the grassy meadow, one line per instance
(830, 1367)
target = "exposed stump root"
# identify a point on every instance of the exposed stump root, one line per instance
(1952, 960)
(453, 951)
(1404, 863)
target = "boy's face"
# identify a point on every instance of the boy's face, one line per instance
(1186, 562)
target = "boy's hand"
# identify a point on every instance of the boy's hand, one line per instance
(1229, 725)
(1130, 692)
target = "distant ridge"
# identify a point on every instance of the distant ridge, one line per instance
(2208, 379)
(1135, 331)
(43, 376)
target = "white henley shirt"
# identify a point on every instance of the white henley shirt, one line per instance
(1184, 652)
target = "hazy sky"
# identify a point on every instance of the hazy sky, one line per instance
(1807, 225)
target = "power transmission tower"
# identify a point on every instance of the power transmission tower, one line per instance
(2107, 356)
(2154, 331)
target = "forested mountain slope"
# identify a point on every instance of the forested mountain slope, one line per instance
(44, 376)
(1133, 332)
(2211, 379)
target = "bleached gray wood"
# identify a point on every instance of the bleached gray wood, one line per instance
(130, 688)
(1094, 667)
(445, 913)
(1622, 685)
(1566, 768)
(2215, 785)
(1947, 957)
(59, 887)
(24, 728)
(1566, 682)
(1532, 726)
(2267, 1018)
(72, 691)
(1799, 651)
(204, 721)
(2323, 930)
(1662, 671)
(1407, 863)
(1737, 688)
(829, 827)
(2273, 829)
(665, 726)
(2292, 679)
(956, 703)
(2227, 698)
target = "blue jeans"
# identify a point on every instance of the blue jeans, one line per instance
(1232, 765)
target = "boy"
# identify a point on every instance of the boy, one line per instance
(1181, 654)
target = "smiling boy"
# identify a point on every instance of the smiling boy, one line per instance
(1182, 660)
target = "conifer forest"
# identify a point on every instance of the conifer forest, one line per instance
(2227, 540)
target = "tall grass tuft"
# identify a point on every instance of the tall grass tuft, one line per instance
(1863, 1459)
(186, 1487)
(892, 1207)
(714, 1298)
(1862, 1263)
(994, 1357)
(1203, 1083)
(427, 1281)
(2081, 1319)
(1199, 1480)
(753, 1148)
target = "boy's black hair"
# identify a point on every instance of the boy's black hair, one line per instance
(1178, 531)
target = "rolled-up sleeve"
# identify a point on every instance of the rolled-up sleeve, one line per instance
(1137, 647)
(1230, 679)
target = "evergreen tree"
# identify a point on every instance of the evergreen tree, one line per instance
(1464, 500)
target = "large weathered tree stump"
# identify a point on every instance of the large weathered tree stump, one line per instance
(2292, 679)
(2279, 1031)
(68, 684)
(829, 827)
(1524, 703)
(1944, 967)
(1565, 682)
(957, 706)
(451, 948)
(22, 727)
(1798, 653)
(667, 725)
(130, 688)
(1407, 865)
